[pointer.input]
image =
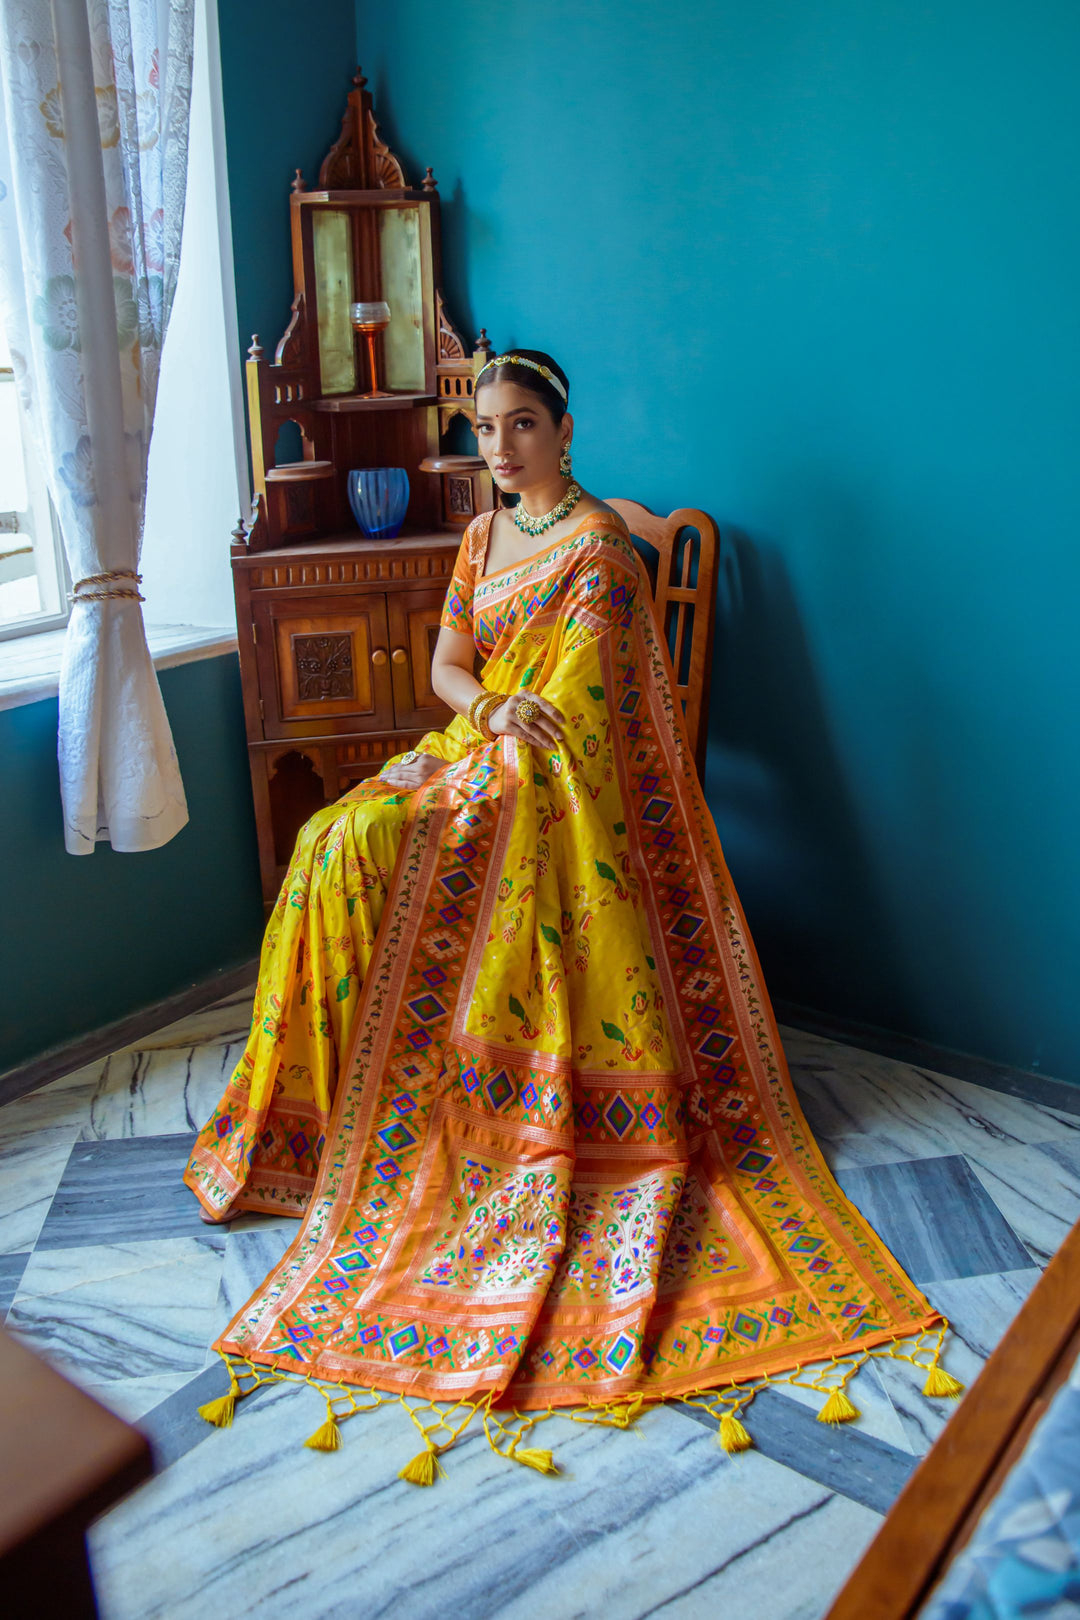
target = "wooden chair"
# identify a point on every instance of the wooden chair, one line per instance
(679, 554)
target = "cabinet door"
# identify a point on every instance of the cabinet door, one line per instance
(414, 630)
(324, 665)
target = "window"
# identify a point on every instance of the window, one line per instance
(197, 476)
(33, 578)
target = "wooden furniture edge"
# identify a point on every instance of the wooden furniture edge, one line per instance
(946, 1494)
(71, 1456)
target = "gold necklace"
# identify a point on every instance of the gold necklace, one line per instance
(537, 525)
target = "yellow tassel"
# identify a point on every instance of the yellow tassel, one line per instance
(421, 1471)
(219, 1412)
(939, 1382)
(328, 1438)
(733, 1437)
(838, 1408)
(542, 1461)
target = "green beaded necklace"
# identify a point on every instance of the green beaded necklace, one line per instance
(537, 525)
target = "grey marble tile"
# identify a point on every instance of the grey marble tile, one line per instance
(174, 1425)
(159, 1092)
(1037, 1192)
(251, 1252)
(12, 1267)
(935, 1217)
(127, 1191)
(979, 1309)
(662, 1521)
(122, 1311)
(843, 1457)
(37, 1133)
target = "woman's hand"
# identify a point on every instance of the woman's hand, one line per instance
(412, 771)
(544, 729)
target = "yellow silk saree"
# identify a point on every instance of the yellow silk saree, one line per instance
(513, 1061)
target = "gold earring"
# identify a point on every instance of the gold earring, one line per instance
(566, 466)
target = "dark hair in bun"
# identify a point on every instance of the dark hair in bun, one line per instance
(525, 377)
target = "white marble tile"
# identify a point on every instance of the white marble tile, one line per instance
(37, 1133)
(856, 1096)
(863, 1103)
(160, 1092)
(979, 1309)
(1038, 1193)
(250, 1521)
(132, 1398)
(226, 1020)
(122, 1310)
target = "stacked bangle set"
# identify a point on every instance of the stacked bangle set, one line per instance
(481, 709)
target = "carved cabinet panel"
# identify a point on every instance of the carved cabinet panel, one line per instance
(325, 665)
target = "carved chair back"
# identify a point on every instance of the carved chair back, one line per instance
(679, 554)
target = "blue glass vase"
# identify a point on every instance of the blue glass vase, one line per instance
(379, 497)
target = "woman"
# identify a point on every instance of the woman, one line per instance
(511, 1052)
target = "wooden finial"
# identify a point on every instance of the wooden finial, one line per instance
(256, 350)
(240, 533)
(483, 342)
(429, 182)
(299, 184)
(358, 79)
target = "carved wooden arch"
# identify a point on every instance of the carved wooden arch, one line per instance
(304, 420)
(360, 159)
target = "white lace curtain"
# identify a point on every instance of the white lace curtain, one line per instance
(93, 163)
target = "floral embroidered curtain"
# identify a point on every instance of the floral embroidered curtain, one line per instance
(93, 163)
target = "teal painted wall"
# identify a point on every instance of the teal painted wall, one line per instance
(285, 73)
(88, 939)
(812, 265)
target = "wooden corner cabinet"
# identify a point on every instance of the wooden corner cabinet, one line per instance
(336, 630)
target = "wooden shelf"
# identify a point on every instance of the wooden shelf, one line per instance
(299, 472)
(405, 545)
(339, 403)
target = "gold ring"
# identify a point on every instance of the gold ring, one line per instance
(407, 759)
(528, 710)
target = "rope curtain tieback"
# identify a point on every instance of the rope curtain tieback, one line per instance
(129, 593)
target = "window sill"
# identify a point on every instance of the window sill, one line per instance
(30, 665)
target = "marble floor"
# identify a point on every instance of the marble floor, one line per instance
(106, 1268)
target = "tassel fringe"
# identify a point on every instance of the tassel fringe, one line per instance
(423, 1468)
(325, 1438)
(838, 1408)
(542, 1461)
(941, 1383)
(733, 1437)
(219, 1412)
(505, 1431)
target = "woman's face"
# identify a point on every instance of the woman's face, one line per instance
(517, 437)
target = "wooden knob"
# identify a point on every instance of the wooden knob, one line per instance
(399, 655)
(378, 656)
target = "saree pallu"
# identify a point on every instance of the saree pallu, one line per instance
(560, 1161)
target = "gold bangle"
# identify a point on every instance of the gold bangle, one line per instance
(480, 697)
(484, 713)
